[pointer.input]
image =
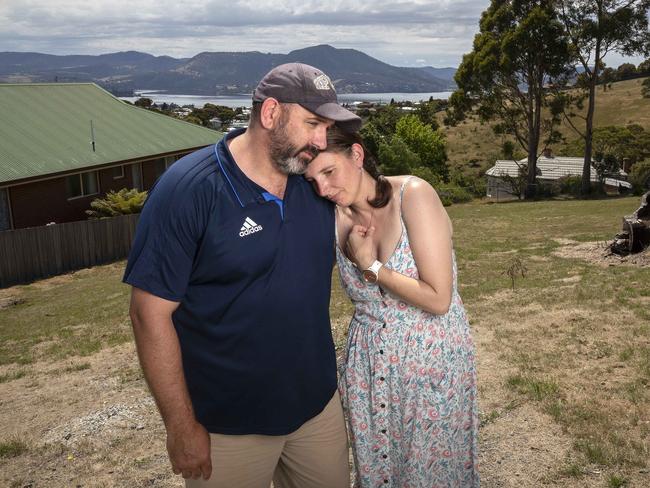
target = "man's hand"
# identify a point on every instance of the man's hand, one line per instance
(189, 451)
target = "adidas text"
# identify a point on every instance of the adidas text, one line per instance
(249, 227)
(252, 230)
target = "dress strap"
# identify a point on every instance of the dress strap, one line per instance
(401, 191)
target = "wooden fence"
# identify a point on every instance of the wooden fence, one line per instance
(38, 252)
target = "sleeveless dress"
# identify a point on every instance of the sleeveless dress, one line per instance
(408, 384)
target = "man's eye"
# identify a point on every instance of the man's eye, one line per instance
(328, 172)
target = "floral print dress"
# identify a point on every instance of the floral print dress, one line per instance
(408, 385)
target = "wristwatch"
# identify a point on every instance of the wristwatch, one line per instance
(371, 273)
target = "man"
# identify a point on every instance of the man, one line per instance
(230, 271)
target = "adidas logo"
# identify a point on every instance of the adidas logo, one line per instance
(249, 227)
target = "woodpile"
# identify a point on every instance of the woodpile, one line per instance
(635, 235)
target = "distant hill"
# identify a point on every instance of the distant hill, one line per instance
(442, 73)
(473, 143)
(219, 73)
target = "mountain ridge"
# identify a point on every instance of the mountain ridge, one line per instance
(220, 73)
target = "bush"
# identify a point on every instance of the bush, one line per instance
(424, 141)
(548, 190)
(397, 158)
(570, 185)
(451, 193)
(640, 177)
(473, 182)
(428, 175)
(123, 202)
(645, 88)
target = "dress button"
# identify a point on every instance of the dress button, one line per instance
(382, 378)
(383, 431)
(381, 351)
(383, 405)
(384, 456)
(385, 481)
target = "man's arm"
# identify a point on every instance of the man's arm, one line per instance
(188, 442)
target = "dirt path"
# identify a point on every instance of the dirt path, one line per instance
(97, 426)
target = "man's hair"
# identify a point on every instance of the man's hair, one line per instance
(256, 113)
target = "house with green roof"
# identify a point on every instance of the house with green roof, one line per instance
(62, 145)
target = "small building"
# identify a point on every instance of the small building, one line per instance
(215, 123)
(63, 145)
(549, 169)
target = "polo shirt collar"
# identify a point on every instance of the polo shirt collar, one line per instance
(245, 190)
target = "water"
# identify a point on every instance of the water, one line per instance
(245, 100)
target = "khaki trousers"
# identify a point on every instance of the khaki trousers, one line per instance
(314, 456)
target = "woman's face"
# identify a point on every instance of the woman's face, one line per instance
(336, 175)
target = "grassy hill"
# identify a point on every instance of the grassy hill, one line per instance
(472, 141)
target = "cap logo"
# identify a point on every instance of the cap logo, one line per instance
(322, 82)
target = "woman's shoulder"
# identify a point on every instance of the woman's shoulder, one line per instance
(412, 185)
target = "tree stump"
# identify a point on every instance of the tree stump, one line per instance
(635, 235)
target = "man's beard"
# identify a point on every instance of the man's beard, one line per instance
(286, 156)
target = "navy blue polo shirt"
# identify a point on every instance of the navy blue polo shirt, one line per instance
(252, 274)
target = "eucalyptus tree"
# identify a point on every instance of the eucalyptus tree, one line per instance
(595, 28)
(519, 50)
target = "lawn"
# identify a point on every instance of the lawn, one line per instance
(564, 358)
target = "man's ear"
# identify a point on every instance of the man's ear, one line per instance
(270, 113)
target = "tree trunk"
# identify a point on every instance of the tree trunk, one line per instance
(585, 187)
(534, 128)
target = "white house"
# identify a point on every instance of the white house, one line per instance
(549, 169)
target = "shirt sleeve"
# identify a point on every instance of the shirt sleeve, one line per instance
(167, 238)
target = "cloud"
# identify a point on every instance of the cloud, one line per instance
(400, 32)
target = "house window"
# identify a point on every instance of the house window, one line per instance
(136, 176)
(118, 172)
(163, 163)
(5, 216)
(82, 184)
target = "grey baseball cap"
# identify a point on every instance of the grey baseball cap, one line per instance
(310, 88)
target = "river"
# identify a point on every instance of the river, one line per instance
(245, 100)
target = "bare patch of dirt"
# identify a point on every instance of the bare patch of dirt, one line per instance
(10, 302)
(598, 253)
(88, 422)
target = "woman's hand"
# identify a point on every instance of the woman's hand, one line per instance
(360, 248)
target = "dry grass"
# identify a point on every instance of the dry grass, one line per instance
(573, 339)
(564, 361)
(470, 141)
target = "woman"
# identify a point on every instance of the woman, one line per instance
(409, 381)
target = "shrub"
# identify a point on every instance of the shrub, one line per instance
(397, 158)
(640, 176)
(548, 189)
(570, 185)
(427, 174)
(474, 182)
(450, 193)
(645, 88)
(123, 202)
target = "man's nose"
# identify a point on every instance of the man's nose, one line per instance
(320, 138)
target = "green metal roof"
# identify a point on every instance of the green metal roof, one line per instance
(45, 129)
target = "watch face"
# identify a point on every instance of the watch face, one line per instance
(369, 276)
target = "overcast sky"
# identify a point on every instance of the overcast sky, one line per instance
(398, 32)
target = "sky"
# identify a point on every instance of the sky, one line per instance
(399, 32)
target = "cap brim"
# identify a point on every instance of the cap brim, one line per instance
(345, 119)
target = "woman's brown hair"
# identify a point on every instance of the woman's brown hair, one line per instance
(341, 141)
